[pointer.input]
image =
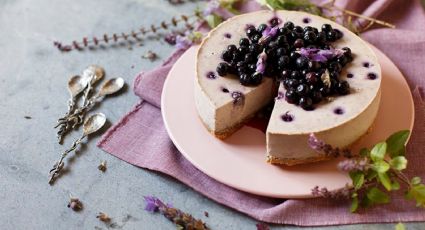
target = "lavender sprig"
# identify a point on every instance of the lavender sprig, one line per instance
(320, 55)
(181, 219)
(261, 62)
(374, 173)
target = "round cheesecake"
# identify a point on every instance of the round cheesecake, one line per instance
(224, 104)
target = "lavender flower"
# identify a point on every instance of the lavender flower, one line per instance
(170, 38)
(211, 7)
(359, 164)
(321, 147)
(268, 33)
(320, 55)
(261, 63)
(339, 194)
(178, 217)
(182, 42)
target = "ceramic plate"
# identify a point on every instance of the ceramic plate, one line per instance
(239, 161)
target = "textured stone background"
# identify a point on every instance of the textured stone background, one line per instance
(33, 76)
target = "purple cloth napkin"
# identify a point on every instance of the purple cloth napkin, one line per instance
(141, 139)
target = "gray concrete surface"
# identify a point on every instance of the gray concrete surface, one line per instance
(33, 76)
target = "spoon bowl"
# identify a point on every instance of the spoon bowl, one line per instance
(111, 86)
(94, 73)
(94, 123)
(76, 85)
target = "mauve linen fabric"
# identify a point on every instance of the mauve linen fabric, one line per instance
(140, 138)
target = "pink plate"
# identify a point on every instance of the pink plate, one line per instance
(239, 161)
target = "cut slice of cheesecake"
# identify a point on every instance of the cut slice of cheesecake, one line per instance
(224, 104)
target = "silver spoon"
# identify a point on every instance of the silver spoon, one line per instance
(93, 74)
(91, 125)
(76, 85)
(111, 86)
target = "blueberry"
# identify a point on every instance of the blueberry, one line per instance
(226, 56)
(314, 65)
(222, 68)
(338, 34)
(347, 51)
(244, 42)
(243, 50)
(316, 96)
(303, 90)
(310, 36)
(324, 91)
(283, 61)
(256, 78)
(283, 31)
(298, 29)
(261, 28)
(256, 38)
(286, 74)
(236, 56)
(293, 83)
(321, 37)
(326, 27)
(245, 79)
(342, 60)
(289, 25)
(343, 88)
(331, 36)
(308, 28)
(281, 51)
(254, 48)
(291, 96)
(274, 21)
(294, 55)
(249, 57)
(281, 39)
(273, 44)
(294, 35)
(252, 67)
(335, 66)
(295, 74)
(251, 31)
(306, 103)
(334, 74)
(301, 62)
(298, 43)
(232, 48)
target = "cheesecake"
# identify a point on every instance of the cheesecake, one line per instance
(319, 77)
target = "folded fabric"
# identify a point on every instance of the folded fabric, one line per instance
(140, 138)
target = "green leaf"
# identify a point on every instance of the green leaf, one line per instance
(229, 5)
(417, 192)
(395, 185)
(396, 142)
(381, 166)
(416, 180)
(358, 179)
(371, 174)
(364, 152)
(377, 196)
(378, 151)
(354, 204)
(302, 5)
(213, 20)
(398, 163)
(385, 181)
(400, 226)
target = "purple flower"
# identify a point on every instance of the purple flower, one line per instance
(153, 204)
(182, 42)
(211, 7)
(170, 38)
(350, 165)
(339, 194)
(268, 33)
(321, 147)
(320, 55)
(261, 63)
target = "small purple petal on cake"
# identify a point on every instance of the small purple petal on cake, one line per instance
(224, 90)
(227, 35)
(261, 63)
(315, 143)
(287, 117)
(339, 111)
(211, 75)
(366, 64)
(320, 55)
(238, 98)
(372, 76)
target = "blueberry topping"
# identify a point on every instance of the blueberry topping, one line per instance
(306, 20)
(280, 54)
(287, 117)
(227, 35)
(366, 64)
(339, 111)
(211, 75)
(224, 90)
(372, 76)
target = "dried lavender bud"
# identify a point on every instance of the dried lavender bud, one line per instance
(75, 204)
(340, 194)
(103, 217)
(102, 166)
(170, 38)
(358, 164)
(206, 214)
(151, 56)
(178, 217)
(321, 147)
